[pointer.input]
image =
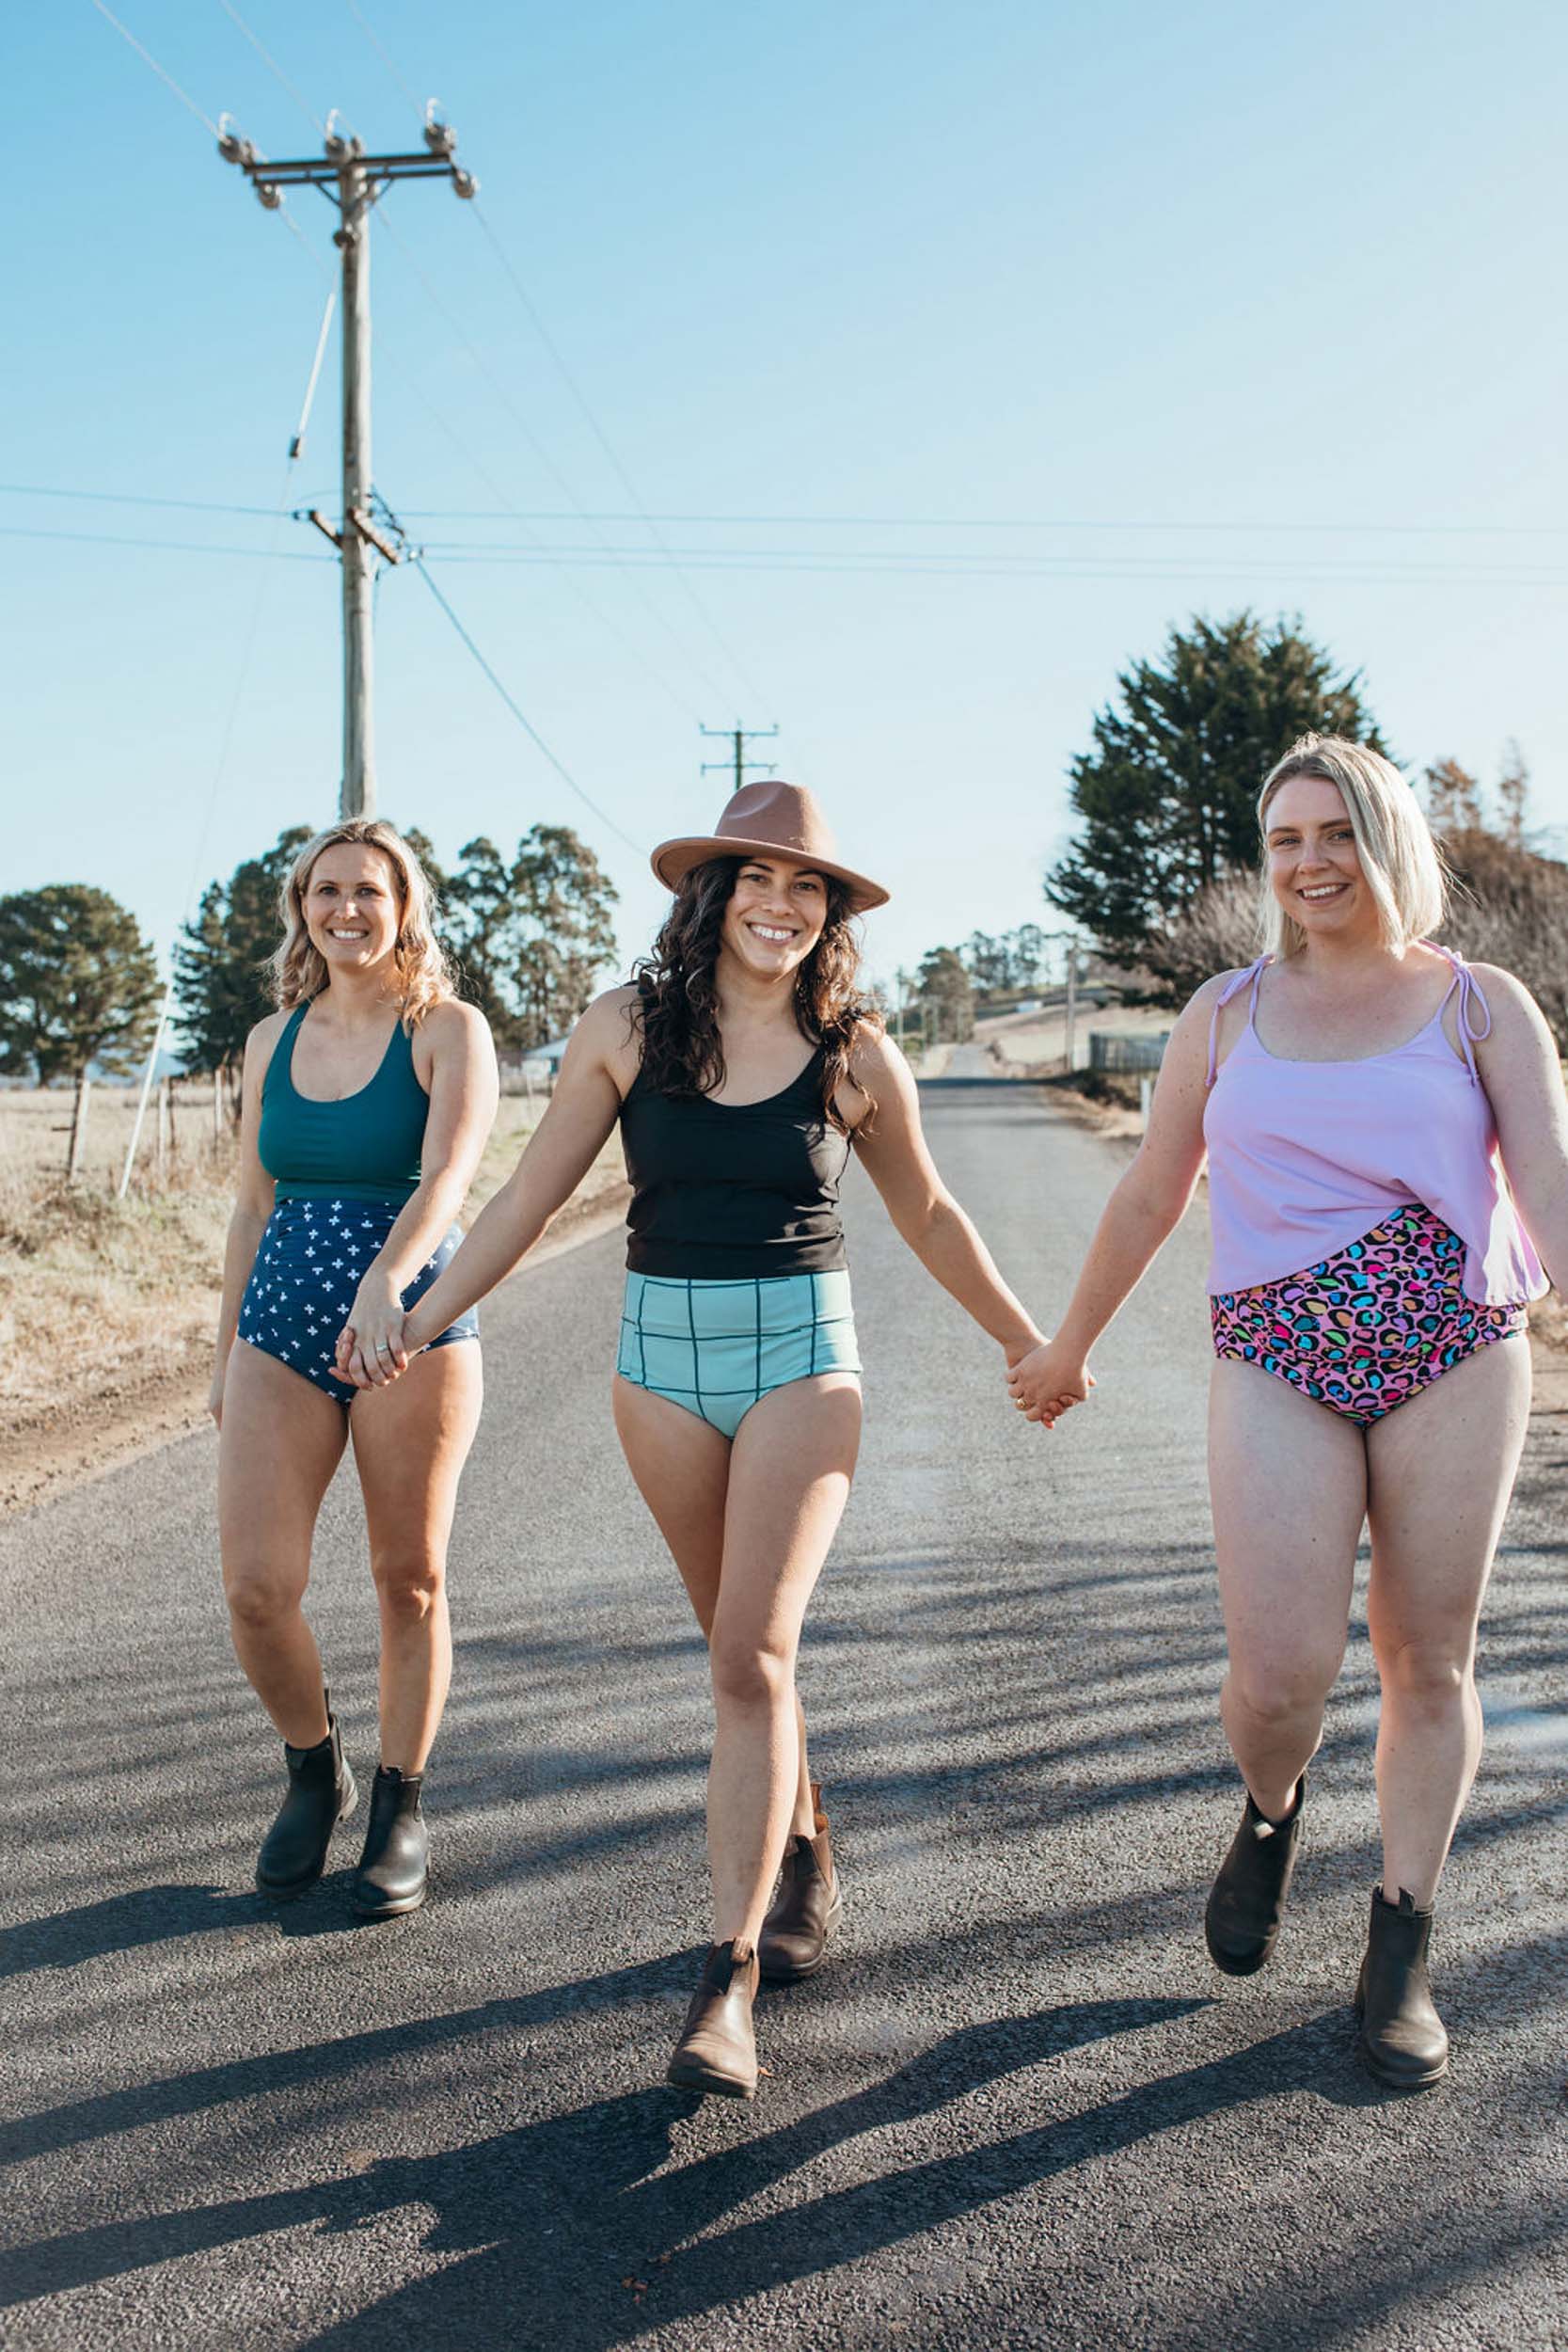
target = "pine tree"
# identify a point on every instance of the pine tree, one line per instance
(1167, 795)
(78, 988)
(220, 986)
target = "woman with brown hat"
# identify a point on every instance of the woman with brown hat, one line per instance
(743, 1065)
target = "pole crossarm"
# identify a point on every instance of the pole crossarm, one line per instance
(315, 171)
(739, 762)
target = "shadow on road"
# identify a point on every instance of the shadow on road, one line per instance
(579, 2234)
(558, 2213)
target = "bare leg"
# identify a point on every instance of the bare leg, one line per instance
(803, 1821)
(1441, 1470)
(682, 1469)
(790, 1469)
(281, 1440)
(411, 1440)
(749, 1526)
(1289, 1484)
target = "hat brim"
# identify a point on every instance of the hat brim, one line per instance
(674, 859)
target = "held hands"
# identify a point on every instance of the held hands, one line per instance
(1048, 1382)
(372, 1345)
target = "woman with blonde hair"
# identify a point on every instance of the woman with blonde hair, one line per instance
(1371, 1108)
(368, 1096)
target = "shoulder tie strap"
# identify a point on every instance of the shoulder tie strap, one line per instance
(1238, 981)
(1474, 1017)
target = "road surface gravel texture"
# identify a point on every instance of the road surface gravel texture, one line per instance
(1018, 2108)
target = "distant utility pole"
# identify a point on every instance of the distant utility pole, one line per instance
(737, 762)
(354, 181)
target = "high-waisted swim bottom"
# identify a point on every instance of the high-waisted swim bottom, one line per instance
(307, 1268)
(1369, 1327)
(717, 1347)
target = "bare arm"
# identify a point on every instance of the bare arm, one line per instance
(578, 1122)
(893, 1152)
(1523, 1077)
(455, 1046)
(252, 1205)
(1144, 1210)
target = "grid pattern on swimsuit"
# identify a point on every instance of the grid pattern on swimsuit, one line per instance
(715, 1347)
(308, 1268)
(1370, 1326)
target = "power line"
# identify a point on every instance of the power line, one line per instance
(960, 560)
(511, 513)
(364, 26)
(189, 104)
(982, 522)
(130, 498)
(600, 436)
(572, 384)
(523, 721)
(1064, 568)
(179, 547)
(148, 58)
(503, 393)
(271, 64)
(247, 649)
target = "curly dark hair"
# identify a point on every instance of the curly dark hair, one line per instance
(677, 1012)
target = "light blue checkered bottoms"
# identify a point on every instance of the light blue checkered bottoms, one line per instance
(715, 1347)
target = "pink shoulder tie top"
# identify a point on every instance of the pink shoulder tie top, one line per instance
(1305, 1157)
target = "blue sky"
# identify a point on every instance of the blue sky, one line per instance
(1005, 336)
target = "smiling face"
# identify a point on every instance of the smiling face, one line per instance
(352, 906)
(1315, 867)
(775, 916)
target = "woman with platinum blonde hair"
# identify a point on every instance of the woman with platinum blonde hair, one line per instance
(1373, 1108)
(368, 1096)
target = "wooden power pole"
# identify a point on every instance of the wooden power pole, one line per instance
(737, 762)
(354, 181)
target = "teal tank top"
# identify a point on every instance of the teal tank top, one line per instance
(366, 1146)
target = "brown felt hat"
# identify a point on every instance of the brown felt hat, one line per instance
(769, 819)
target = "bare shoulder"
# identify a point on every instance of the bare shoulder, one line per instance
(453, 1026)
(607, 1037)
(609, 1024)
(1206, 995)
(612, 1005)
(263, 1038)
(1516, 1018)
(1502, 988)
(876, 1061)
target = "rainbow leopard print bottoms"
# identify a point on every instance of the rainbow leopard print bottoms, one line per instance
(1369, 1327)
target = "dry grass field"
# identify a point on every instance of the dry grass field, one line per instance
(108, 1307)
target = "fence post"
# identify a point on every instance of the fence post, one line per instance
(78, 1127)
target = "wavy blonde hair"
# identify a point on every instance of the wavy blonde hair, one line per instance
(297, 969)
(1398, 858)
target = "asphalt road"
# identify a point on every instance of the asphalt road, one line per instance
(1018, 2109)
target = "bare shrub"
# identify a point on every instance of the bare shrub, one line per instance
(1215, 933)
(1510, 908)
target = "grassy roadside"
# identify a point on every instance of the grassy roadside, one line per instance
(108, 1308)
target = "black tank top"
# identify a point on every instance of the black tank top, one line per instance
(731, 1191)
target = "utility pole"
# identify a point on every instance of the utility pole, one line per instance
(737, 762)
(353, 182)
